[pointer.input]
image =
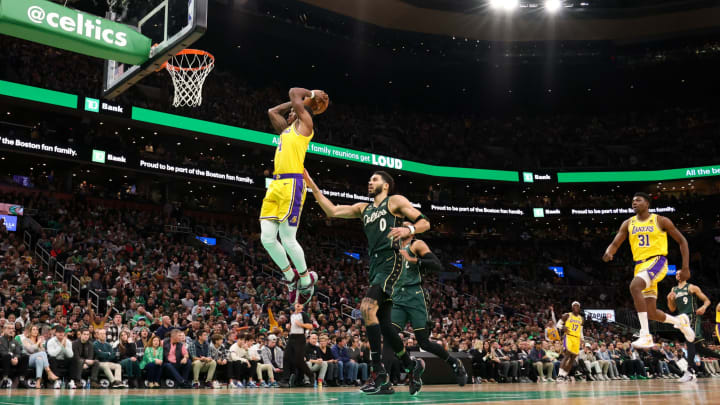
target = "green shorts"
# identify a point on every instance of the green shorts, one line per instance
(385, 271)
(409, 305)
(697, 326)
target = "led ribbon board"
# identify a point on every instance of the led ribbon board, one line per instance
(648, 175)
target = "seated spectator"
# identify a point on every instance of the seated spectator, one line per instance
(165, 328)
(327, 357)
(201, 361)
(272, 360)
(521, 353)
(240, 366)
(254, 352)
(34, 346)
(587, 358)
(84, 359)
(507, 369)
(607, 364)
(542, 363)
(671, 360)
(616, 356)
(357, 356)
(60, 355)
(176, 359)
(14, 362)
(219, 352)
(127, 354)
(315, 362)
(347, 369)
(152, 361)
(107, 356)
(636, 367)
(553, 350)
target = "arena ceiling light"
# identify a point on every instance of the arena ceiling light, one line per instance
(507, 5)
(553, 6)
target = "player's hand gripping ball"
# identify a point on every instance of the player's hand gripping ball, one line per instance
(319, 104)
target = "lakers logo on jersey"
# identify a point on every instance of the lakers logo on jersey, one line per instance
(573, 326)
(293, 220)
(646, 238)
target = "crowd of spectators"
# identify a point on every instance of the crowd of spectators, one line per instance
(149, 305)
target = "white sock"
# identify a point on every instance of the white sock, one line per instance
(644, 328)
(268, 237)
(672, 320)
(295, 251)
(562, 372)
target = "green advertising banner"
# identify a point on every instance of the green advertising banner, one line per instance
(649, 175)
(61, 27)
(37, 94)
(241, 134)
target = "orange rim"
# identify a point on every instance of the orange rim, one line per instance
(170, 66)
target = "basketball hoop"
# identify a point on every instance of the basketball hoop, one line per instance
(189, 69)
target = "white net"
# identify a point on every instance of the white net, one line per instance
(188, 70)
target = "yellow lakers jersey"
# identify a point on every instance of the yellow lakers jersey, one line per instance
(573, 326)
(717, 316)
(290, 152)
(552, 334)
(646, 238)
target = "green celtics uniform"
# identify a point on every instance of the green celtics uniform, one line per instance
(385, 263)
(686, 303)
(409, 303)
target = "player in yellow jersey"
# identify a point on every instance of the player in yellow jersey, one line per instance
(648, 241)
(283, 202)
(552, 334)
(572, 326)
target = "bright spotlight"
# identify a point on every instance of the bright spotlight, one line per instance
(510, 4)
(553, 6)
(507, 5)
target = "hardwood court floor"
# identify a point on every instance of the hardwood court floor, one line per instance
(705, 391)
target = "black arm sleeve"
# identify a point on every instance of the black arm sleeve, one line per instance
(430, 263)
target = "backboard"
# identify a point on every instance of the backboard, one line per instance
(172, 25)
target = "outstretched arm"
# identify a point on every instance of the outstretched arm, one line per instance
(667, 225)
(400, 206)
(277, 116)
(615, 245)
(330, 209)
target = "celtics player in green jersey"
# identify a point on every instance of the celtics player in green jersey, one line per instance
(409, 305)
(382, 222)
(684, 298)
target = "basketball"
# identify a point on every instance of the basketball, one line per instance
(319, 104)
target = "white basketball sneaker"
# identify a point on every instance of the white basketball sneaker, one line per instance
(688, 377)
(644, 342)
(685, 327)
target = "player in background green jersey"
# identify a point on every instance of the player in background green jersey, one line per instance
(684, 298)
